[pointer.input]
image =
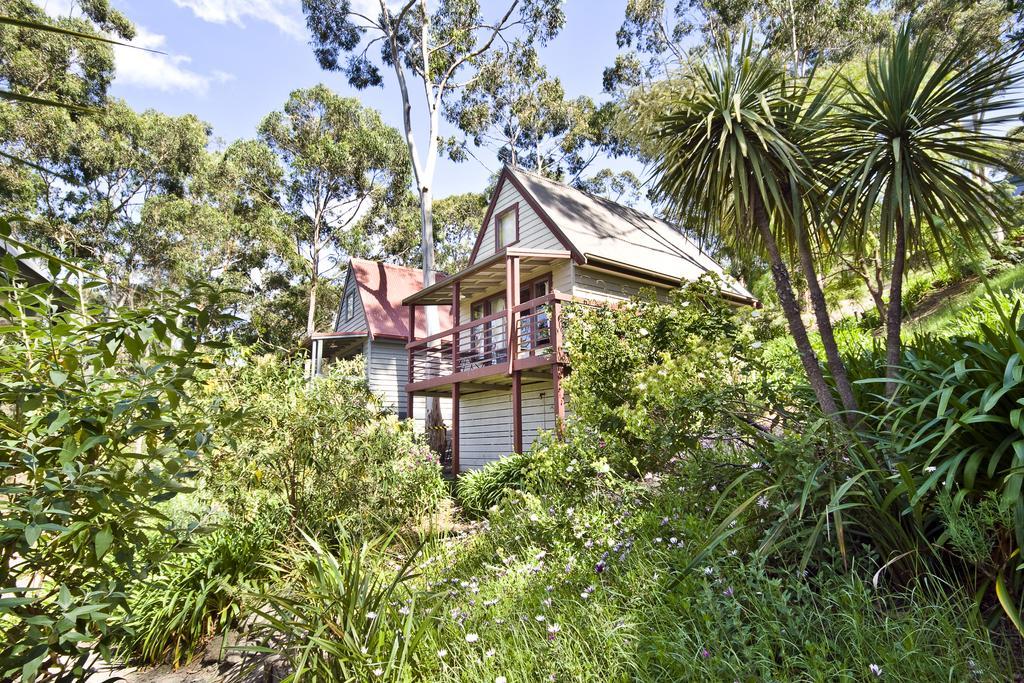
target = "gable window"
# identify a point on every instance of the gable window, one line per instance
(349, 309)
(506, 227)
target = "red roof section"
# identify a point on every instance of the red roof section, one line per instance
(382, 286)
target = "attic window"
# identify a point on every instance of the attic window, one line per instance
(506, 227)
(350, 306)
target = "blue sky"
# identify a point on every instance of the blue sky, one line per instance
(233, 61)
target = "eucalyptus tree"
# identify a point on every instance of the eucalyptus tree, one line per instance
(437, 49)
(340, 159)
(906, 148)
(657, 38)
(523, 114)
(92, 178)
(727, 162)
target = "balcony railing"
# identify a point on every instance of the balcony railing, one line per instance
(482, 346)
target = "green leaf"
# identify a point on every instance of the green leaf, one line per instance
(102, 541)
(32, 532)
(58, 377)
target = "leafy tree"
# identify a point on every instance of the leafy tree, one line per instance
(442, 49)
(98, 426)
(903, 144)
(103, 169)
(340, 159)
(658, 40)
(45, 61)
(726, 162)
(523, 114)
(61, 66)
(458, 219)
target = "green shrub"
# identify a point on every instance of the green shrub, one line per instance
(652, 380)
(198, 592)
(346, 614)
(325, 449)
(98, 425)
(480, 490)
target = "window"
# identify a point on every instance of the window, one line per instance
(349, 310)
(506, 228)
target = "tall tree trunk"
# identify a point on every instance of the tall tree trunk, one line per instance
(894, 316)
(311, 313)
(790, 308)
(828, 337)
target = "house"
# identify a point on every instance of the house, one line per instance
(372, 322)
(501, 360)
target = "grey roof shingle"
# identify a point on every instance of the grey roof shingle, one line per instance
(598, 227)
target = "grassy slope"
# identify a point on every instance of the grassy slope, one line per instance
(939, 308)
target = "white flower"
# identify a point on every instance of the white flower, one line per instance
(539, 617)
(875, 669)
(472, 637)
(442, 653)
(500, 679)
(533, 518)
(763, 501)
(378, 672)
(929, 469)
(371, 615)
(554, 628)
(489, 653)
(708, 571)
(673, 540)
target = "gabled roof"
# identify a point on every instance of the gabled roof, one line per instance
(605, 233)
(381, 287)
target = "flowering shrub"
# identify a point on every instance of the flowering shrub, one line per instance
(326, 449)
(652, 380)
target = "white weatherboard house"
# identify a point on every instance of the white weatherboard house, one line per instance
(500, 360)
(372, 322)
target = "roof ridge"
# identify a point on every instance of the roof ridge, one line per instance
(596, 197)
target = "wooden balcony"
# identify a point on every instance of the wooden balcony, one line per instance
(482, 355)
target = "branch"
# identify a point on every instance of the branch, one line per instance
(457, 64)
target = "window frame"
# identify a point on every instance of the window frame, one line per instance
(349, 307)
(498, 246)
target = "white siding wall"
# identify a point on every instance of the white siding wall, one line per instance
(486, 423)
(386, 371)
(533, 234)
(600, 286)
(358, 321)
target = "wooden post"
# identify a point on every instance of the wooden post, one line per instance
(558, 396)
(456, 291)
(512, 316)
(517, 412)
(409, 406)
(455, 429)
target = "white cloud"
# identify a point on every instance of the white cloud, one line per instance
(165, 72)
(280, 13)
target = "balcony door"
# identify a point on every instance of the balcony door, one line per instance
(534, 323)
(488, 342)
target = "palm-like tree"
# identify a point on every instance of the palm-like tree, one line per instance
(904, 141)
(729, 162)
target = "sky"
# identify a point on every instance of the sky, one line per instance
(231, 62)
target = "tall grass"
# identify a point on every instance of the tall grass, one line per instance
(344, 613)
(197, 593)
